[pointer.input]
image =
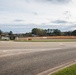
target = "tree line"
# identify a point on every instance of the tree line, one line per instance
(49, 32)
(42, 32)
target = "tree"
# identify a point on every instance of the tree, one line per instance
(50, 32)
(69, 33)
(10, 33)
(0, 32)
(57, 32)
(38, 32)
(11, 36)
(74, 33)
(28, 34)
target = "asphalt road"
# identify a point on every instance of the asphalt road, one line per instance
(32, 58)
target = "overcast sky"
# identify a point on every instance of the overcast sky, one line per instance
(23, 15)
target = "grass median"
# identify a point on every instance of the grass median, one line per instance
(67, 71)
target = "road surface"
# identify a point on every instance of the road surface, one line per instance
(32, 58)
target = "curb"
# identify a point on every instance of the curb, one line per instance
(55, 69)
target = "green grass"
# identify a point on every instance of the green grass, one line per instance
(48, 40)
(67, 71)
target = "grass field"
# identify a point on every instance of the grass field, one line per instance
(47, 40)
(67, 71)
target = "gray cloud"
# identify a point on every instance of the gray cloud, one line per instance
(66, 12)
(18, 20)
(58, 1)
(27, 1)
(35, 13)
(51, 1)
(60, 21)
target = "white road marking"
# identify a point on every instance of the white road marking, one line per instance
(9, 52)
